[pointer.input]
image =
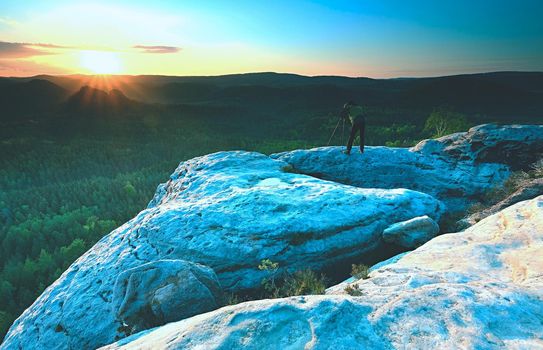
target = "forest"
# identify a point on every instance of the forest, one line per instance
(72, 173)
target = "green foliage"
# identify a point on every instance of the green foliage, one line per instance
(6, 319)
(303, 282)
(268, 265)
(269, 283)
(353, 290)
(360, 271)
(443, 121)
(67, 181)
(130, 189)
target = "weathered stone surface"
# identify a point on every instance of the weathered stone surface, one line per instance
(517, 146)
(529, 190)
(228, 211)
(457, 169)
(163, 291)
(411, 233)
(477, 289)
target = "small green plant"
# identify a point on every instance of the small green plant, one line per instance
(268, 283)
(303, 282)
(353, 290)
(360, 271)
(268, 265)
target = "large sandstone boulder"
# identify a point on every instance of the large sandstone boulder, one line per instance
(457, 169)
(411, 233)
(163, 291)
(517, 146)
(227, 211)
(477, 289)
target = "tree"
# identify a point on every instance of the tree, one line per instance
(444, 121)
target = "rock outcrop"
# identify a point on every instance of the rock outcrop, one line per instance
(528, 190)
(411, 233)
(517, 146)
(207, 229)
(477, 289)
(457, 169)
(163, 291)
(226, 211)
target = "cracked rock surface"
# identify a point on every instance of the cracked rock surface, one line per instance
(456, 168)
(226, 211)
(208, 228)
(477, 289)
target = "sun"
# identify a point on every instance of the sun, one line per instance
(101, 62)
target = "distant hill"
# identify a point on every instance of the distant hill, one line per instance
(499, 96)
(35, 98)
(496, 95)
(97, 102)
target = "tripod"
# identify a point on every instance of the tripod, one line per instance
(342, 132)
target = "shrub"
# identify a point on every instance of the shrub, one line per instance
(353, 290)
(268, 283)
(360, 271)
(303, 282)
(268, 265)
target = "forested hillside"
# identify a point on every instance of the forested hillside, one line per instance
(77, 162)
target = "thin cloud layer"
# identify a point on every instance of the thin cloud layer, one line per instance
(25, 50)
(48, 46)
(19, 50)
(157, 49)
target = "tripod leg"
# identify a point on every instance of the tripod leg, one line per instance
(328, 144)
(343, 133)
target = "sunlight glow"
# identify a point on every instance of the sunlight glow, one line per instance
(101, 62)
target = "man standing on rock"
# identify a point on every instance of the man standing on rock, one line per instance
(355, 114)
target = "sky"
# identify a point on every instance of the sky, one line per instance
(379, 39)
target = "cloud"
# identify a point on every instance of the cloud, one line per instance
(48, 46)
(25, 50)
(157, 49)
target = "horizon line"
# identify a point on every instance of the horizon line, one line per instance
(37, 76)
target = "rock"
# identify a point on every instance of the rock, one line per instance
(411, 233)
(457, 169)
(348, 281)
(517, 146)
(163, 291)
(227, 211)
(528, 190)
(480, 288)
